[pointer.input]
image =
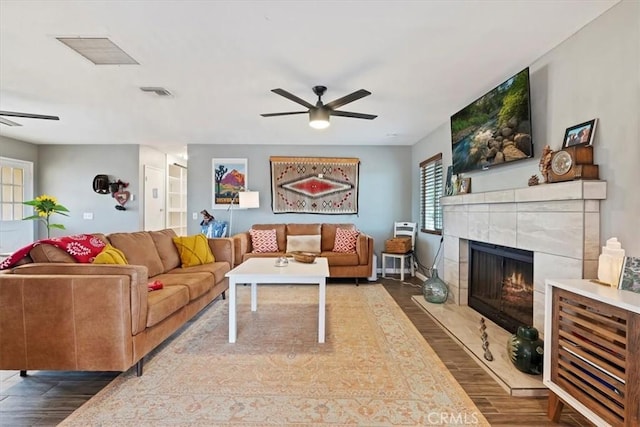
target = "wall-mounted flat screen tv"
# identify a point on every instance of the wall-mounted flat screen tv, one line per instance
(495, 129)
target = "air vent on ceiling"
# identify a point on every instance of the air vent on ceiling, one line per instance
(160, 91)
(100, 51)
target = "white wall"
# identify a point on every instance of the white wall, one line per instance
(593, 74)
(67, 172)
(385, 186)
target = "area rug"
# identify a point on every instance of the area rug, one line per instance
(375, 369)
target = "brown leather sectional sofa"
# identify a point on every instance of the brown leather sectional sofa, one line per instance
(358, 264)
(56, 314)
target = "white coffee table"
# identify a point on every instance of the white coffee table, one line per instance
(264, 270)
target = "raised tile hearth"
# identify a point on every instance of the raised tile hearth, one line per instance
(559, 223)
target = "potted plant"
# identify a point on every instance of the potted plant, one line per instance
(45, 206)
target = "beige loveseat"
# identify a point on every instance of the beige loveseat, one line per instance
(56, 314)
(356, 264)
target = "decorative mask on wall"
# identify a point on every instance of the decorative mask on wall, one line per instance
(101, 184)
(121, 195)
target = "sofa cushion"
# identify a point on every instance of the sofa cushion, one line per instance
(139, 249)
(49, 253)
(303, 242)
(110, 255)
(263, 240)
(198, 283)
(345, 240)
(281, 236)
(217, 269)
(164, 302)
(193, 250)
(329, 234)
(340, 258)
(163, 239)
(303, 229)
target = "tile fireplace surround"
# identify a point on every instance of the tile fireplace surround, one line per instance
(559, 223)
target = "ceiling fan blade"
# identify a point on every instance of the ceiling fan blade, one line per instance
(8, 122)
(283, 114)
(336, 103)
(353, 115)
(292, 97)
(28, 115)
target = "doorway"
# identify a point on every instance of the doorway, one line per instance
(154, 198)
(16, 181)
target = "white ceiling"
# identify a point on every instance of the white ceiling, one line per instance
(422, 60)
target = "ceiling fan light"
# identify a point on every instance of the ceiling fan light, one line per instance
(319, 118)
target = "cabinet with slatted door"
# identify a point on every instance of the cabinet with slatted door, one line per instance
(592, 342)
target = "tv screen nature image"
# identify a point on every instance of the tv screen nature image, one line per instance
(495, 129)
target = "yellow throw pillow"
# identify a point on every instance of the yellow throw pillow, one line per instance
(110, 255)
(193, 250)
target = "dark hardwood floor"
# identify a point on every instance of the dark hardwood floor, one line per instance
(45, 398)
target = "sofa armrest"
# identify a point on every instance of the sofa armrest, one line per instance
(222, 248)
(364, 248)
(242, 245)
(136, 276)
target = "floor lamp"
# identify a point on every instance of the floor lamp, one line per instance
(246, 200)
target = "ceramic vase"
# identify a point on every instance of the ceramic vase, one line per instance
(526, 350)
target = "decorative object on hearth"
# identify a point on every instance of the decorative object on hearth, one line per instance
(319, 113)
(44, 206)
(526, 350)
(580, 134)
(485, 340)
(610, 262)
(434, 289)
(533, 180)
(571, 163)
(323, 185)
(545, 162)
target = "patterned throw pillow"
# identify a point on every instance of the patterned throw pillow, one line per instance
(193, 250)
(264, 240)
(345, 240)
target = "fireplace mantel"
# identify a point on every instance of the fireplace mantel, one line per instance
(559, 222)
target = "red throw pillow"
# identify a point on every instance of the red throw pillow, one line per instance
(345, 240)
(263, 240)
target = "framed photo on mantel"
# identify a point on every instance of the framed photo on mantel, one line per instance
(580, 134)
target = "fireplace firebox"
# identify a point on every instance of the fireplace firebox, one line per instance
(501, 284)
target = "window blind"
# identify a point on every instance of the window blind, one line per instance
(431, 189)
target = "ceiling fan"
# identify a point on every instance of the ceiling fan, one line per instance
(319, 113)
(22, 115)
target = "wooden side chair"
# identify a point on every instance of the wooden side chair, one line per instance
(400, 229)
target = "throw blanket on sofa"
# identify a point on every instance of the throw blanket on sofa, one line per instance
(83, 247)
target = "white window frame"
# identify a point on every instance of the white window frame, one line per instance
(431, 190)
